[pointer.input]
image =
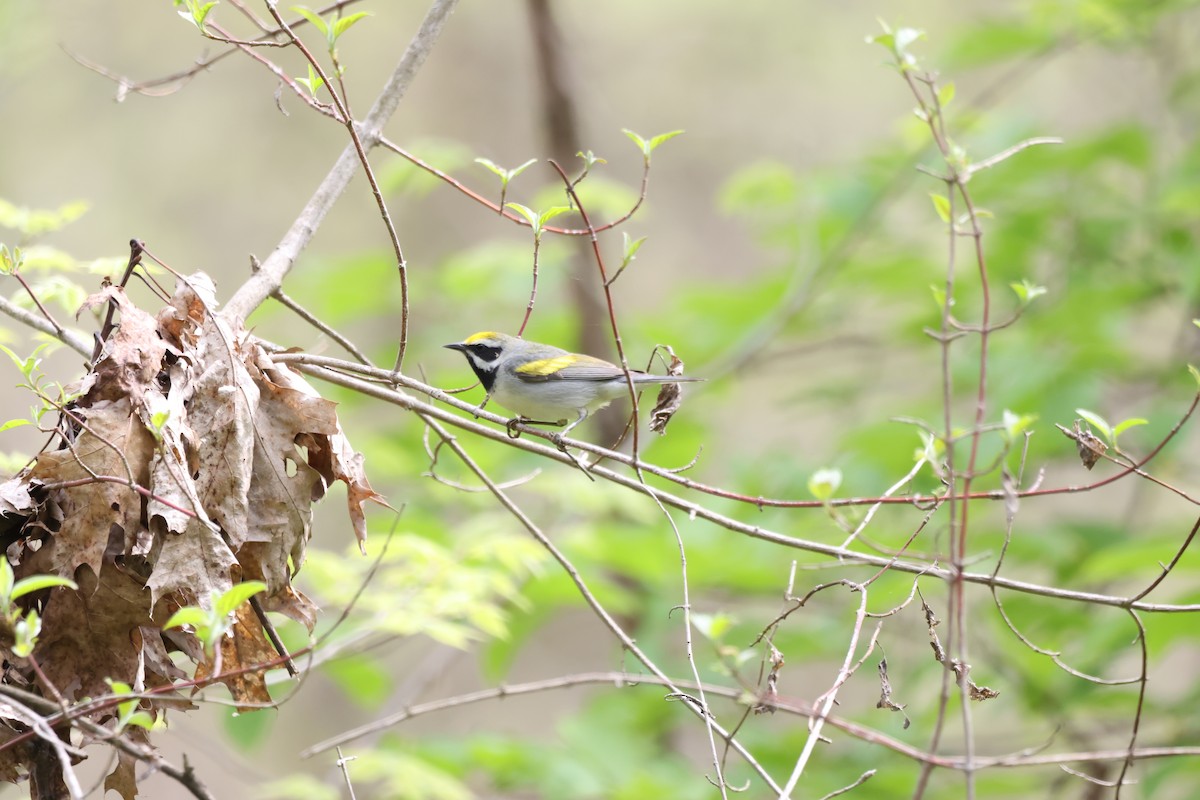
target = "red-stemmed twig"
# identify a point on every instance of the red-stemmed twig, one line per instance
(361, 150)
(178, 80)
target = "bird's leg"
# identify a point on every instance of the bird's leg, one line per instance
(583, 412)
(557, 438)
(513, 433)
(482, 405)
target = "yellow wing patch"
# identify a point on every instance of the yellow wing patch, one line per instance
(546, 366)
(475, 337)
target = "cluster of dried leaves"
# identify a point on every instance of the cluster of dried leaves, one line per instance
(188, 462)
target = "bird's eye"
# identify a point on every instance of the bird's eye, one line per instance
(485, 352)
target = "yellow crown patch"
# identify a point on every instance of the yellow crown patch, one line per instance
(475, 337)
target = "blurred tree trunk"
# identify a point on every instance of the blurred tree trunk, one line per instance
(560, 130)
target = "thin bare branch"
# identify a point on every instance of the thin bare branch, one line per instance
(71, 338)
(275, 267)
(308, 365)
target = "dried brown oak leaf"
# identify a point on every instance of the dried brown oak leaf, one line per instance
(111, 451)
(188, 462)
(245, 646)
(123, 778)
(97, 633)
(132, 356)
(329, 452)
(14, 498)
(216, 403)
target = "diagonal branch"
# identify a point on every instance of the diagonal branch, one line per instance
(72, 339)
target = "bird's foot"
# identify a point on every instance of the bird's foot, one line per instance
(513, 433)
(510, 427)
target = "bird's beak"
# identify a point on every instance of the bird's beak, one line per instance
(459, 346)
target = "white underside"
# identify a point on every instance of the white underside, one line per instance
(555, 400)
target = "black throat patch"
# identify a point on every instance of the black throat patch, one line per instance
(486, 375)
(482, 358)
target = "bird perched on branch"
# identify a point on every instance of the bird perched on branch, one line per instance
(547, 385)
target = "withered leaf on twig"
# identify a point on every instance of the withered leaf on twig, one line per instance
(245, 646)
(961, 670)
(187, 463)
(1089, 446)
(885, 693)
(670, 396)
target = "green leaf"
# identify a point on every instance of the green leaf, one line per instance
(551, 213)
(713, 626)
(958, 158)
(824, 482)
(515, 171)
(36, 583)
(939, 295)
(10, 261)
(25, 365)
(1017, 424)
(13, 423)
(140, 719)
(1195, 374)
(314, 18)
(647, 146)
(6, 585)
(343, 24)
(36, 222)
(528, 213)
(945, 94)
(26, 633)
(631, 246)
(1027, 292)
(931, 450)
(1098, 422)
(313, 82)
(189, 615)
(197, 13)
(493, 166)
(1123, 426)
(590, 159)
(885, 40)
(238, 594)
(506, 175)
(638, 140)
(941, 204)
(662, 137)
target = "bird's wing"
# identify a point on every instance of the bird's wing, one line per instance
(567, 367)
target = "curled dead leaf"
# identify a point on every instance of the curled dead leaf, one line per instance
(670, 395)
(187, 462)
